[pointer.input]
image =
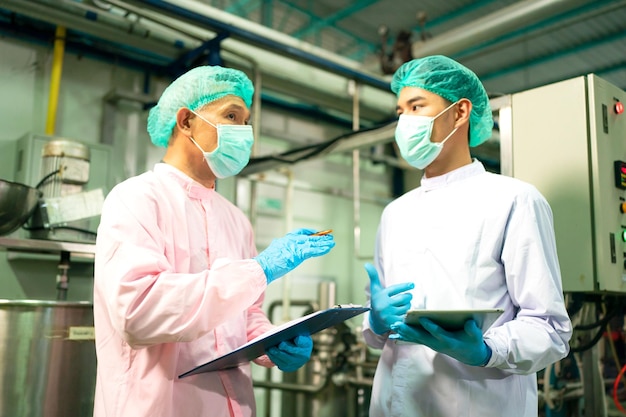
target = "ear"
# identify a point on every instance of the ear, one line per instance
(464, 108)
(183, 117)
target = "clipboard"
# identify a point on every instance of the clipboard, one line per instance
(453, 320)
(309, 324)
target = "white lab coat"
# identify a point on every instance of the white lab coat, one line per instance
(471, 239)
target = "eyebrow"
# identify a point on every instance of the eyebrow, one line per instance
(233, 106)
(412, 100)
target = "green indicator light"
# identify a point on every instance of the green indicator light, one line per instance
(623, 235)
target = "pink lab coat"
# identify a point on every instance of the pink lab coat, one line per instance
(175, 287)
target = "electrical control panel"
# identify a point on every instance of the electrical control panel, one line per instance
(568, 139)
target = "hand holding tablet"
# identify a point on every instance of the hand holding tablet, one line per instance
(453, 320)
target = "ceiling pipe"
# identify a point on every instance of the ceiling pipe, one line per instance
(167, 38)
(280, 73)
(104, 25)
(346, 143)
(202, 15)
(491, 26)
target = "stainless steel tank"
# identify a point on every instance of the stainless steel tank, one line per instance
(48, 358)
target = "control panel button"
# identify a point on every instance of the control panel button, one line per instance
(620, 174)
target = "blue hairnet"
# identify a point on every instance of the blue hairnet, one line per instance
(449, 79)
(195, 89)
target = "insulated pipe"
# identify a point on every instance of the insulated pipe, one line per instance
(206, 16)
(115, 29)
(491, 26)
(55, 79)
(165, 38)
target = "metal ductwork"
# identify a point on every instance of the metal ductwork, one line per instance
(491, 26)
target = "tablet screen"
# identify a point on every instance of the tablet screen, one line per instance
(454, 320)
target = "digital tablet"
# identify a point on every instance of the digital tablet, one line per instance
(453, 320)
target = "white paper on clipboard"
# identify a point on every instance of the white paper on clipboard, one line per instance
(309, 324)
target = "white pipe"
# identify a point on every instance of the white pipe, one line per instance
(113, 29)
(157, 33)
(288, 71)
(356, 177)
(491, 26)
(259, 30)
(286, 280)
(280, 65)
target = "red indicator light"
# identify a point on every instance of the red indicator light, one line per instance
(619, 107)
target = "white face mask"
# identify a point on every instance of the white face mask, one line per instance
(234, 145)
(413, 138)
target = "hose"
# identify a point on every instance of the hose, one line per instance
(615, 385)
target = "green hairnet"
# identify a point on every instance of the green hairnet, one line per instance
(195, 89)
(449, 79)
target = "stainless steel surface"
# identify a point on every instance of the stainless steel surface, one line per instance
(327, 294)
(48, 359)
(64, 172)
(71, 162)
(17, 203)
(66, 148)
(48, 246)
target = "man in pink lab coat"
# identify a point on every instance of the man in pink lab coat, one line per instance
(178, 280)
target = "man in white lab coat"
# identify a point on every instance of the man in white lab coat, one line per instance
(464, 239)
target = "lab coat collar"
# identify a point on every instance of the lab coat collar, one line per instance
(193, 188)
(466, 171)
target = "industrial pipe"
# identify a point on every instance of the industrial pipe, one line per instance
(491, 26)
(104, 25)
(286, 386)
(55, 79)
(200, 14)
(356, 177)
(279, 385)
(163, 38)
(286, 280)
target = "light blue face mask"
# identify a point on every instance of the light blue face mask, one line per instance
(234, 144)
(413, 138)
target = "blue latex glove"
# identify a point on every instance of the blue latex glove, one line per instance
(467, 345)
(286, 253)
(292, 354)
(389, 305)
